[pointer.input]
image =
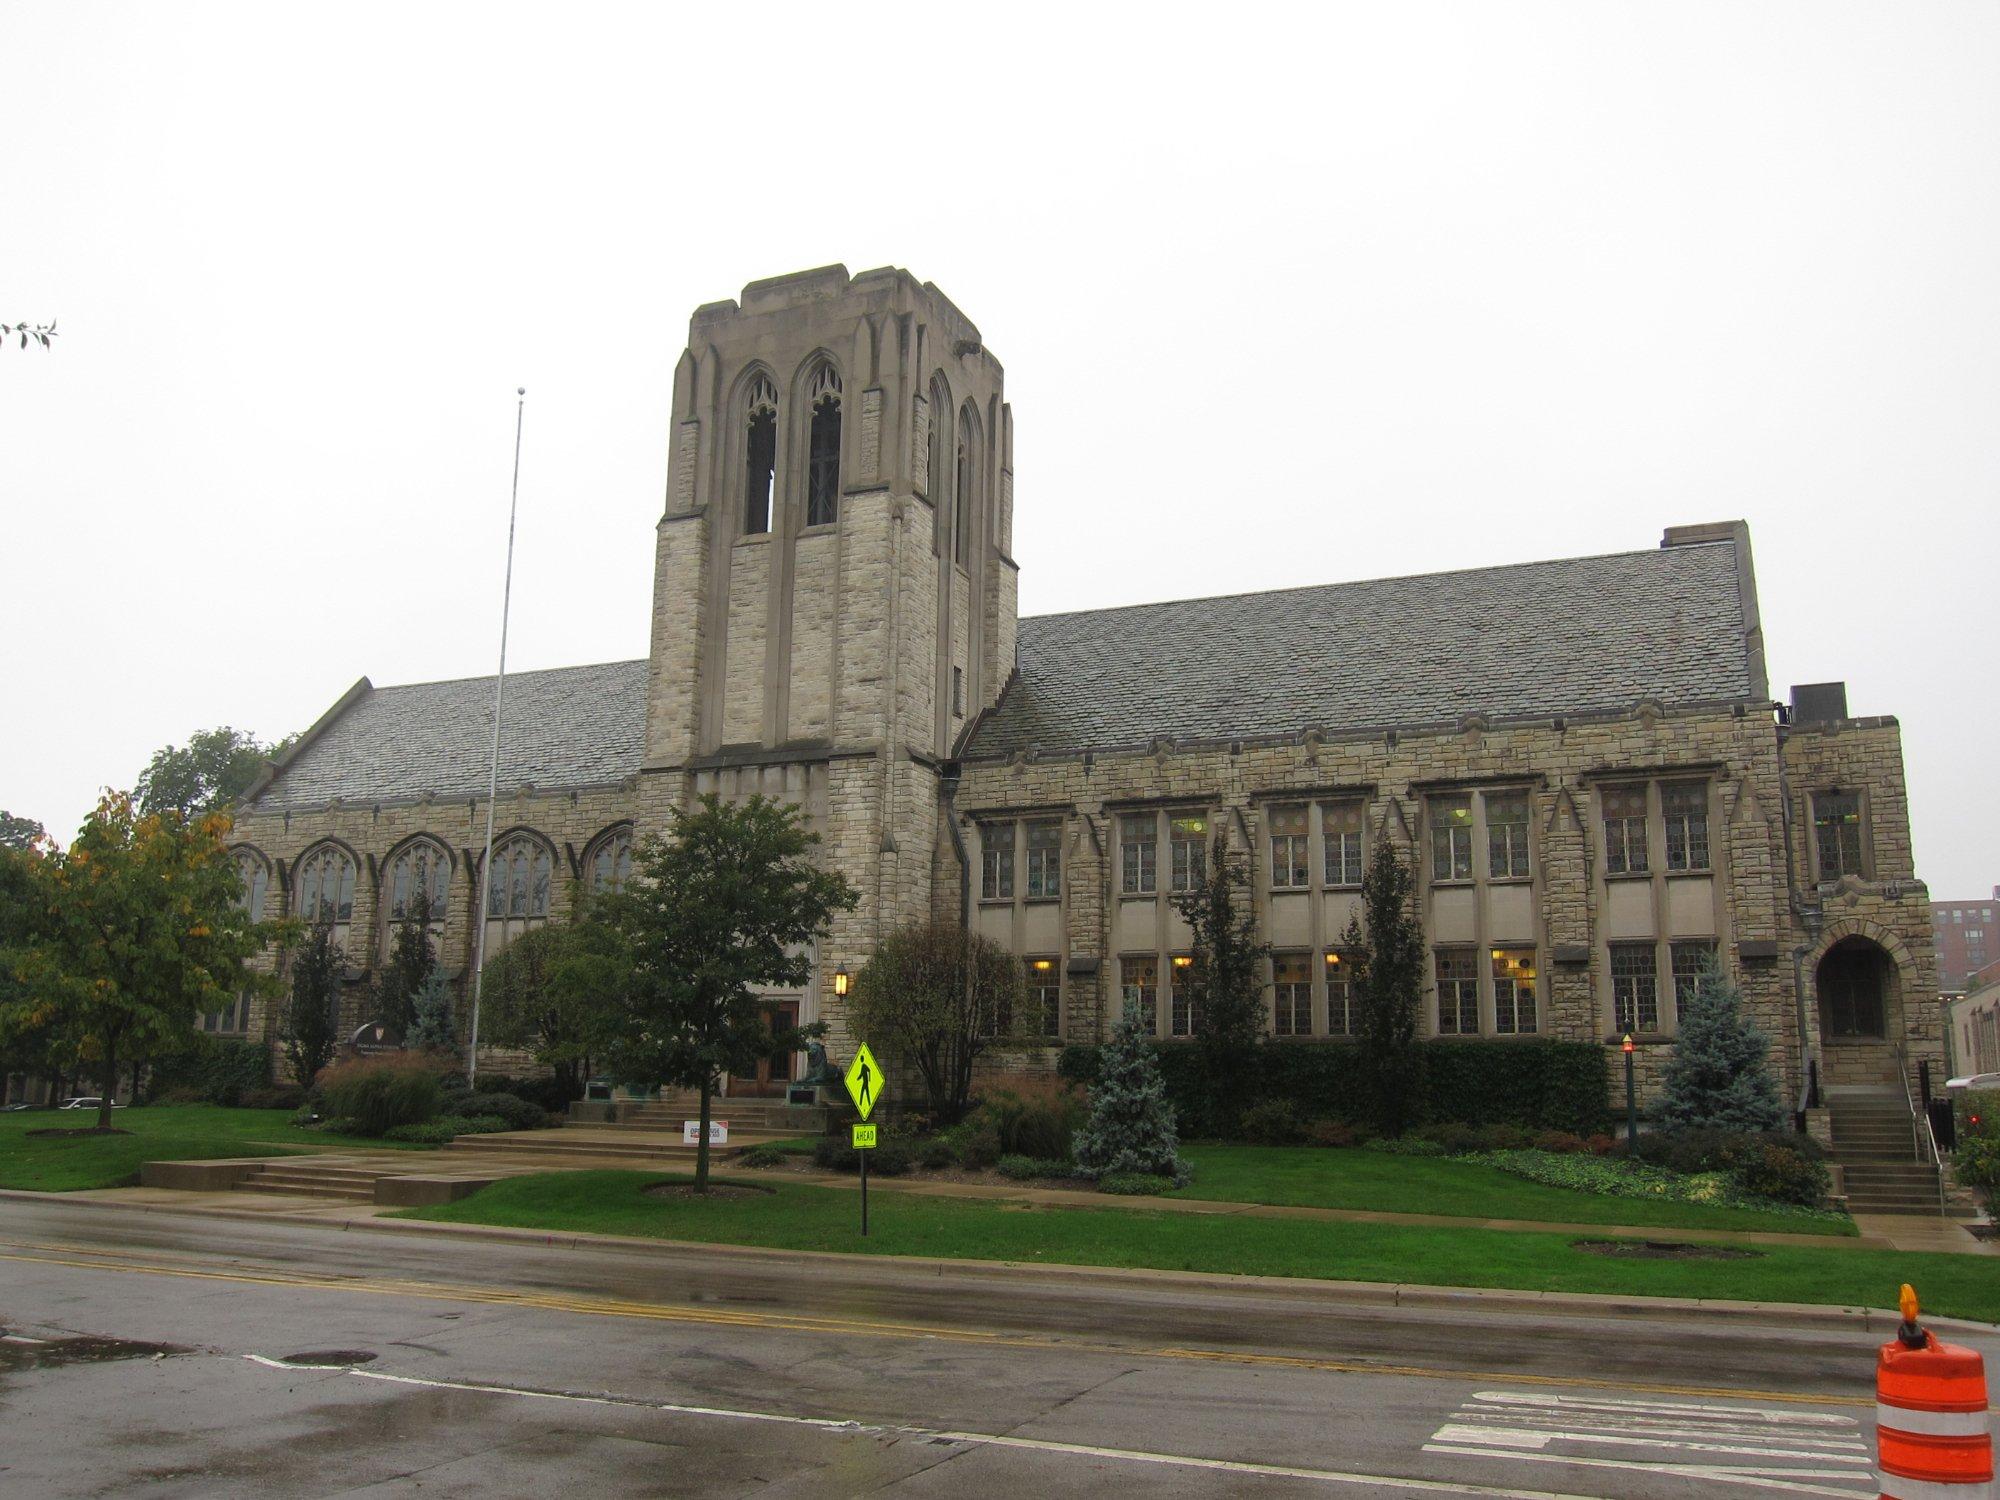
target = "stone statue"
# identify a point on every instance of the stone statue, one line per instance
(819, 1072)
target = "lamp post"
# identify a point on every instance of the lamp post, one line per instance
(1631, 1102)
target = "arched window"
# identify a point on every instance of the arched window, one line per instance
(962, 482)
(935, 477)
(823, 450)
(522, 869)
(517, 897)
(760, 458)
(324, 886)
(255, 876)
(419, 880)
(608, 864)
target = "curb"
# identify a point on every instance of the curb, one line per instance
(1786, 1315)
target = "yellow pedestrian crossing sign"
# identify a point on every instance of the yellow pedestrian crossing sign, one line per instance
(864, 1081)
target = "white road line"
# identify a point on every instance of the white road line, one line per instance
(983, 1439)
(1711, 1473)
(1538, 1437)
(1682, 1409)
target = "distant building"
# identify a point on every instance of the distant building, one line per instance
(1973, 1025)
(1968, 939)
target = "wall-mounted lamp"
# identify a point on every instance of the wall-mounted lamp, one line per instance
(840, 983)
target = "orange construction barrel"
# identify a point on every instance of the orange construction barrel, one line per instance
(1933, 1433)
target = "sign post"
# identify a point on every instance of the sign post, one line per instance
(864, 1087)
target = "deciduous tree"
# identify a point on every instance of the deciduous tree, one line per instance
(937, 996)
(213, 769)
(551, 993)
(1385, 946)
(726, 905)
(141, 930)
(20, 834)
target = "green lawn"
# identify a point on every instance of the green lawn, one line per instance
(804, 1217)
(1311, 1177)
(189, 1132)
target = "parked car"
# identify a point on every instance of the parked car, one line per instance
(1973, 1081)
(88, 1101)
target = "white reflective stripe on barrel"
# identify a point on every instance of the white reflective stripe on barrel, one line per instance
(1933, 1423)
(1895, 1487)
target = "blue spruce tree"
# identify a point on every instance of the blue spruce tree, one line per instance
(1131, 1126)
(435, 1029)
(1719, 1075)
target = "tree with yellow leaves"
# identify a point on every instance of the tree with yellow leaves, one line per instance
(131, 932)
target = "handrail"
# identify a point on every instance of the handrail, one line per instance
(1920, 1127)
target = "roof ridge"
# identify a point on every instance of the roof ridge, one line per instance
(588, 666)
(1339, 583)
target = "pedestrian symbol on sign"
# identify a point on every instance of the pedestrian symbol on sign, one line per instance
(864, 1081)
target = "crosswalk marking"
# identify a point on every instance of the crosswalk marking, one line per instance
(1710, 1443)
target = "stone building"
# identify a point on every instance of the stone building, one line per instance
(1581, 757)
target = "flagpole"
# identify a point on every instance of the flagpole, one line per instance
(493, 768)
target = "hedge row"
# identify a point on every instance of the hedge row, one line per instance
(1544, 1085)
(219, 1069)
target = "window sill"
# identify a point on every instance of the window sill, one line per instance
(1510, 880)
(996, 900)
(1612, 876)
(1138, 896)
(1641, 1039)
(1291, 890)
(1312, 1036)
(825, 528)
(1055, 900)
(1456, 883)
(753, 538)
(1704, 873)
(1340, 887)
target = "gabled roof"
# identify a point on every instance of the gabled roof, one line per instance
(570, 727)
(1580, 635)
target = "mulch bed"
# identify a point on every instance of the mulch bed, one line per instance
(715, 1190)
(1662, 1250)
(63, 1135)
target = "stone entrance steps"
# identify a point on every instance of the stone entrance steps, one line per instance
(314, 1179)
(745, 1116)
(1875, 1146)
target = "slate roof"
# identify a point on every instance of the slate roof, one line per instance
(1568, 637)
(570, 727)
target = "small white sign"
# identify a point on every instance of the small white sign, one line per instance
(718, 1132)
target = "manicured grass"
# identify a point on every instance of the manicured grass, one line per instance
(182, 1132)
(800, 1216)
(1319, 1177)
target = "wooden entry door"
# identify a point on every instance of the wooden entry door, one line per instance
(773, 1074)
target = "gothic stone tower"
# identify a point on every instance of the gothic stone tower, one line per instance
(833, 594)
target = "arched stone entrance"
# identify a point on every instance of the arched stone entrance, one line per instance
(1859, 992)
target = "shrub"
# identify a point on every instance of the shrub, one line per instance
(835, 1154)
(1134, 1184)
(380, 1093)
(1034, 1121)
(439, 1132)
(1272, 1122)
(936, 1153)
(1561, 1142)
(1027, 1168)
(173, 1098)
(1334, 1133)
(516, 1111)
(1976, 1163)
(549, 1092)
(765, 1155)
(977, 1144)
(891, 1158)
(1622, 1177)
(277, 1096)
(1407, 1145)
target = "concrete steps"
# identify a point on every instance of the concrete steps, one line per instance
(612, 1143)
(314, 1179)
(1875, 1146)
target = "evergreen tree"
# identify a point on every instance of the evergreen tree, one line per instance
(434, 1027)
(1385, 946)
(1225, 980)
(1719, 1074)
(1131, 1126)
(310, 1034)
(412, 958)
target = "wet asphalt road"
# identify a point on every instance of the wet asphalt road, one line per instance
(461, 1366)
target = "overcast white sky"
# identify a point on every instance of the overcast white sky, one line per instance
(1284, 296)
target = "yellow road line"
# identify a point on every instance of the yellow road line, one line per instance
(125, 1262)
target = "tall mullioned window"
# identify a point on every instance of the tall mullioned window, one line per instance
(1044, 998)
(1458, 992)
(419, 882)
(1339, 995)
(1290, 867)
(1635, 987)
(1451, 839)
(1179, 972)
(1044, 860)
(1507, 835)
(823, 449)
(608, 863)
(522, 874)
(1291, 974)
(1625, 830)
(1138, 854)
(1139, 984)
(996, 862)
(760, 457)
(1514, 991)
(1342, 825)
(1837, 831)
(1685, 806)
(254, 877)
(1690, 961)
(1187, 835)
(963, 481)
